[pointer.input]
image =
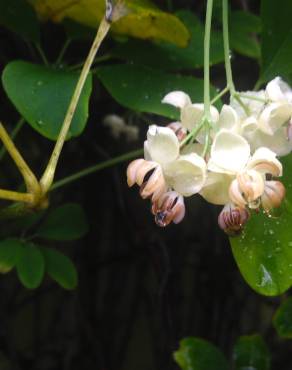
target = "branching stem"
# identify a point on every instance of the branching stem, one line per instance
(49, 173)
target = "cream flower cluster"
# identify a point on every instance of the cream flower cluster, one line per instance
(238, 170)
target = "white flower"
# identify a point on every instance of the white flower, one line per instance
(279, 91)
(185, 174)
(236, 175)
(190, 114)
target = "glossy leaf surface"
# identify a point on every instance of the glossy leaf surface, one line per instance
(198, 354)
(9, 253)
(251, 353)
(42, 95)
(264, 251)
(143, 19)
(282, 320)
(60, 268)
(30, 266)
(142, 89)
(171, 57)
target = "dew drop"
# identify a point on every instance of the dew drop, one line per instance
(290, 244)
(40, 122)
(271, 232)
(40, 83)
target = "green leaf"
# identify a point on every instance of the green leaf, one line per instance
(67, 222)
(30, 266)
(251, 352)
(198, 354)
(19, 17)
(171, 57)
(276, 39)
(264, 251)
(143, 19)
(60, 268)
(142, 89)
(9, 253)
(244, 27)
(282, 320)
(42, 95)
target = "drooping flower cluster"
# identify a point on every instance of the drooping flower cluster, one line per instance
(230, 161)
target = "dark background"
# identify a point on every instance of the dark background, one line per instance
(141, 288)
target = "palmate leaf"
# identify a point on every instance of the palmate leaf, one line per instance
(143, 20)
(42, 95)
(264, 251)
(142, 89)
(172, 57)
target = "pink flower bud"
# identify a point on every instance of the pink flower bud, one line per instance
(178, 129)
(273, 195)
(149, 176)
(169, 207)
(232, 219)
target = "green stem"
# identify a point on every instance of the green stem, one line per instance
(49, 173)
(208, 22)
(62, 52)
(251, 97)
(228, 69)
(194, 132)
(42, 54)
(13, 135)
(100, 166)
(222, 92)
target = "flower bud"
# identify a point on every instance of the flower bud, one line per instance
(169, 207)
(178, 129)
(232, 219)
(273, 195)
(149, 176)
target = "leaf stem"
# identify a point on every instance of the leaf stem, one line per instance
(16, 196)
(222, 92)
(49, 173)
(62, 52)
(42, 54)
(13, 134)
(227, 61)
(100, 166)
(208, 22)
(28, 176)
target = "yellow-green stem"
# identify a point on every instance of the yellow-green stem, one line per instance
(49, 173)
(28, 176)
(17, 197)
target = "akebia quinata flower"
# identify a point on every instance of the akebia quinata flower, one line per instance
(232, 160)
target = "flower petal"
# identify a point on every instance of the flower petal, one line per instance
(229, 153)
(162, 144)
(192, 114)
(177, 98)
(274, 116)
(216, 188)
(278, 90)
(264, 160)
(228, 119)
(187, 174)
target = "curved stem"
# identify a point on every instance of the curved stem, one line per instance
(28, 176)
(228, 69)
(13, 134)
(100, 166)
(207, 59)
(48, 176)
